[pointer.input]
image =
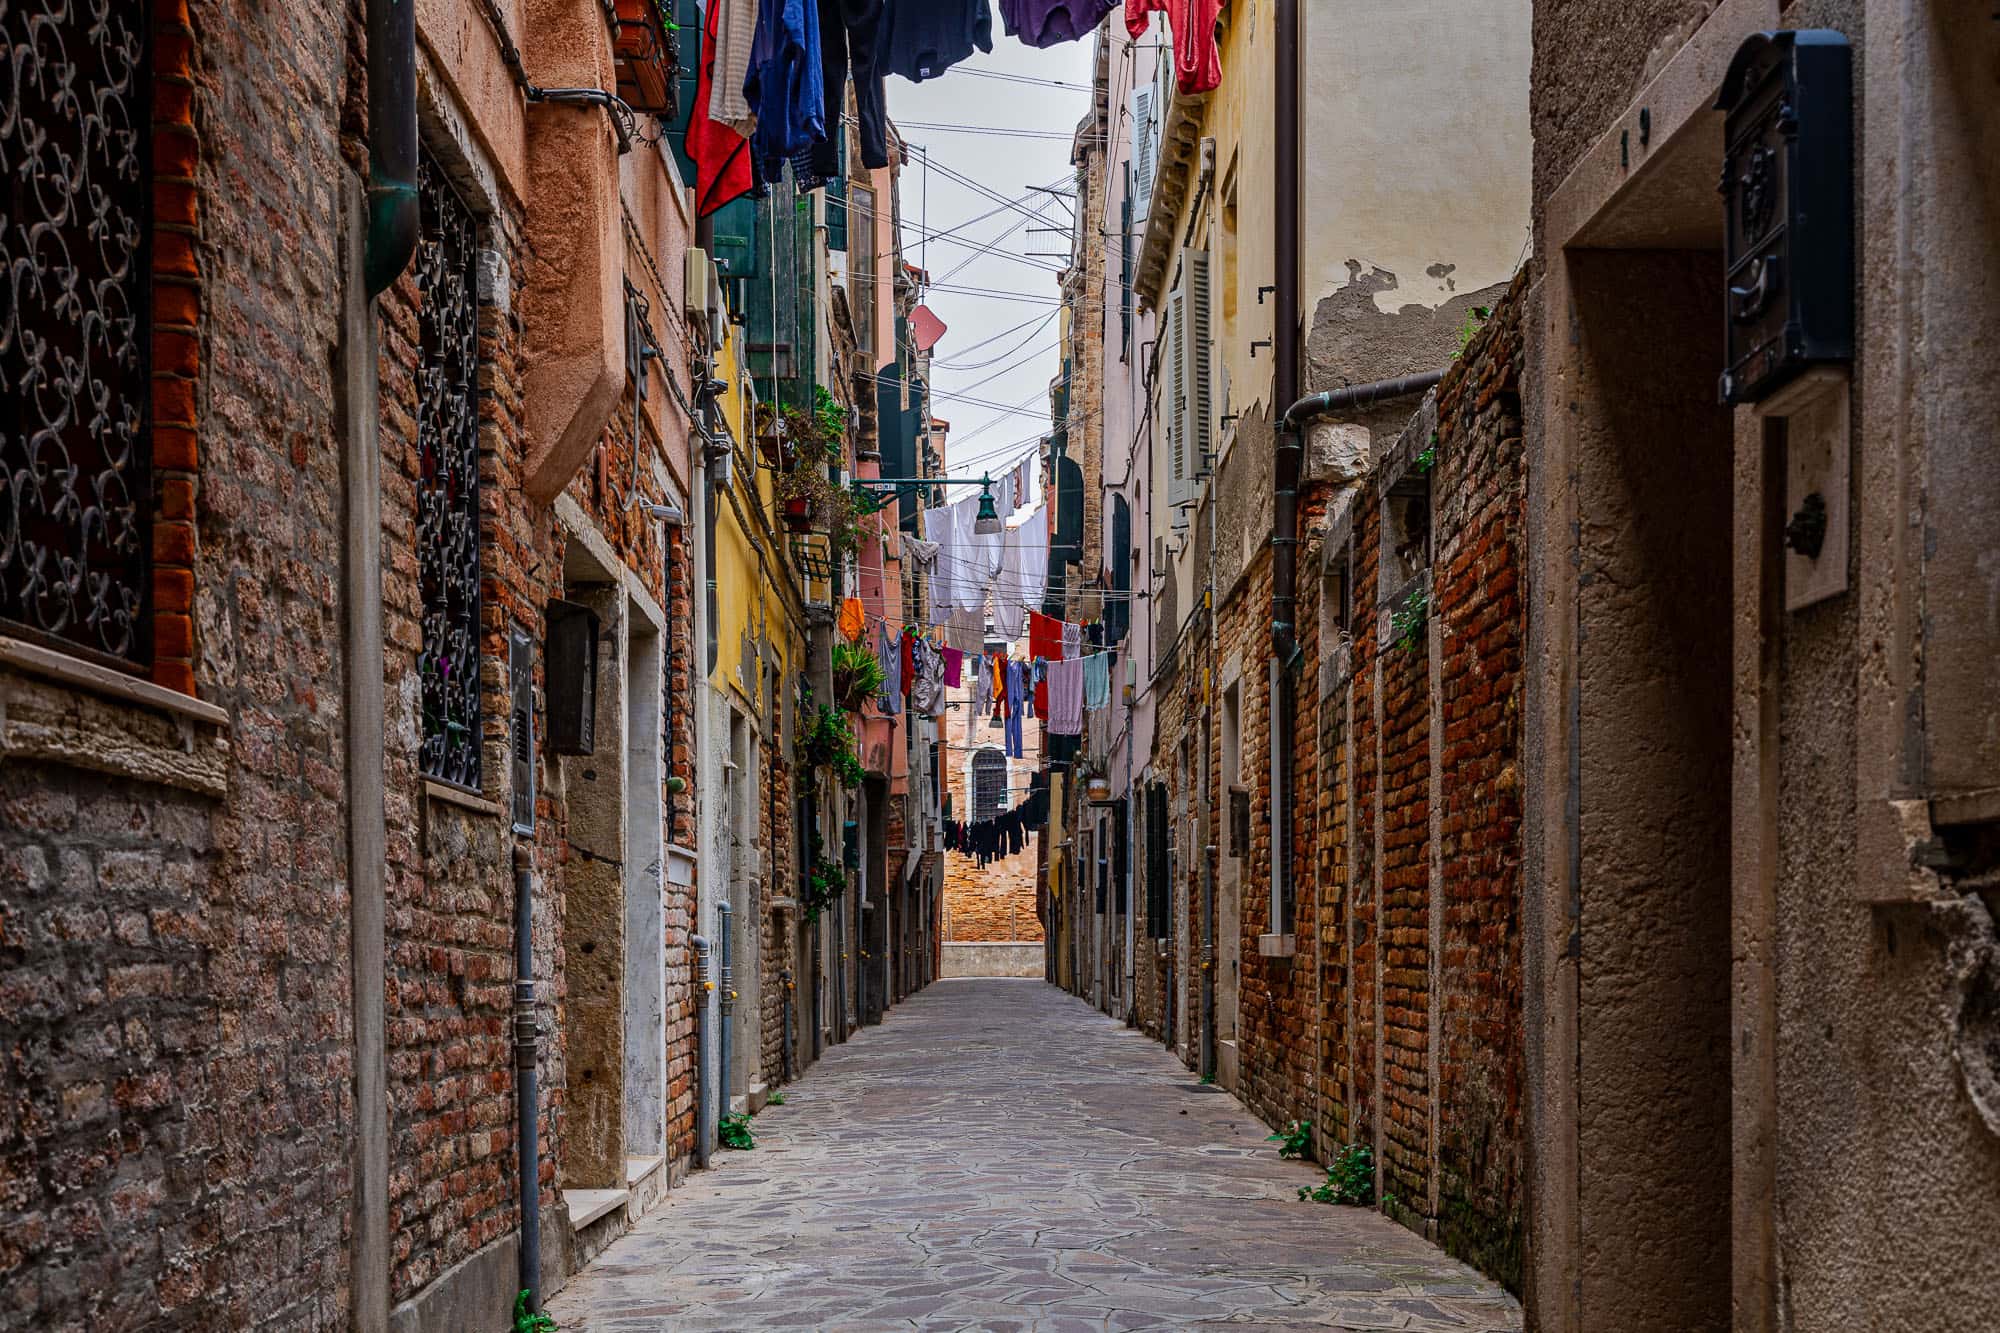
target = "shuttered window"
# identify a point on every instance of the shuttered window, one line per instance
(1144, 148)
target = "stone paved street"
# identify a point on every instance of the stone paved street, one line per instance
(1000, 1156)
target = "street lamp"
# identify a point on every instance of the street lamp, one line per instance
(988, 521)
(878, 492)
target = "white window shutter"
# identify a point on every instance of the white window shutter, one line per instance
(1142, 151)
(1197, 365)
(1173, 406)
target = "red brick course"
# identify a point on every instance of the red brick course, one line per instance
(1396, 1020)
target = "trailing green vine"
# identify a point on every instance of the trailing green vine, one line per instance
(828, 742)
(826, 880)
(1406, 622)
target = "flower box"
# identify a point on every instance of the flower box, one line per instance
(648, 56)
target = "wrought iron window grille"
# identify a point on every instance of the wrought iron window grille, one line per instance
(448, 556)
(76, 497)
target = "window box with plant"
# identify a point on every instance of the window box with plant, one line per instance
(808, 449)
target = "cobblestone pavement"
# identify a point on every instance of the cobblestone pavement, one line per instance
(998, 1155)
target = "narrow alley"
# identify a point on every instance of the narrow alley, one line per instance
(999, 664)
(1000, 1156)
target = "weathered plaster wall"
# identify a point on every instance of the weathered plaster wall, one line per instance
(1390, 271)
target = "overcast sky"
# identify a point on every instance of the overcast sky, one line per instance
(981, 297)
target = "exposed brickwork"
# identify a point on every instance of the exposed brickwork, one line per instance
(1396, 1020)
(994, 901)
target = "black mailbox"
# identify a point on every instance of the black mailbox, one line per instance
(571, 685)
(1788, 187)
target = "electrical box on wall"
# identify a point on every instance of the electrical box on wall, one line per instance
(521, 726)
(1788, 217)
(571, 687)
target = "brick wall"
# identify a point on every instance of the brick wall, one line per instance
(175, 1034)
(1394, 1019)
(995, 901)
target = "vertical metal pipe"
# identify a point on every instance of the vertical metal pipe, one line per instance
(704, 1106)
(1208, 961)
(392, 141)
(1285, 508)
(527, 1094)
(363, 690)
(785, 980)
(725, 1072)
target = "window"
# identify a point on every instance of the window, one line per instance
(989, 784)
(862, 255)
(448, 479)
(76, 498)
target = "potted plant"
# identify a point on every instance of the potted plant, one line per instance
(648, 55)
(857, 676)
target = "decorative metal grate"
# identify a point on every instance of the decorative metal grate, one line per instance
(448, 479)
(75, 476)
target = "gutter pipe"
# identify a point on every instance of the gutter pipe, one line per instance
(725, 1071)
(527, 1093)
(1285, 389)
(704, 1112)
(392, 142)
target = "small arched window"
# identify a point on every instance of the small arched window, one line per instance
(989, 783)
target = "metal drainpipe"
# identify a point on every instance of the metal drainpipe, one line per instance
(1131, 855)
(704, 1132)
(1285, 388)
(392, 142)
(1208, 961)
(527, 1091)
(785, 980)
(725, 1069)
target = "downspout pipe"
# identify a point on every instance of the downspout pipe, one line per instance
(526, 1083)
(704, 1111)
(1284, 389)
(392, 142)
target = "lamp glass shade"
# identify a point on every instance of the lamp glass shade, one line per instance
(988, 521)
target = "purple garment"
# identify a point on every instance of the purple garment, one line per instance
(1047, 22)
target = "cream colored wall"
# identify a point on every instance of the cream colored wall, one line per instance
(1416, 147)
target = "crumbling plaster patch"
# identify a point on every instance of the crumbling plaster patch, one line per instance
(1364, 331)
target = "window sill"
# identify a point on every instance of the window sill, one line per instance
(1278, 946)
(56, 709)
(449, 795)
(78, 674)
